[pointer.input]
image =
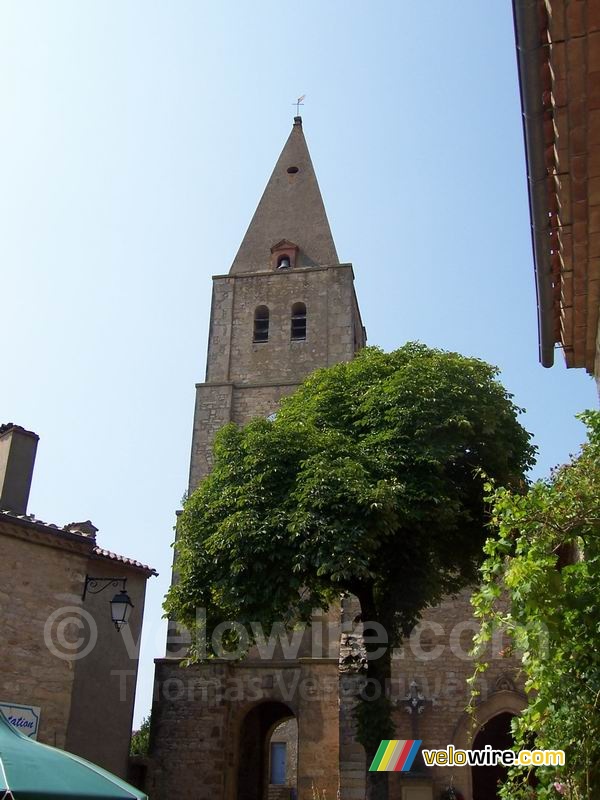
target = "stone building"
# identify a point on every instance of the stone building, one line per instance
(67, 675)
(280, 724)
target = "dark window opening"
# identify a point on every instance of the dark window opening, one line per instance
(261, 324)
(497, 733)
(298, 321)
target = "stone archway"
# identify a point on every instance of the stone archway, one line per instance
(505, 701)
(254, 757)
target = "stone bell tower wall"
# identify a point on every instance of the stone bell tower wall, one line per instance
(246, 379)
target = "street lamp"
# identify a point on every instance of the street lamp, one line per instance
(120, 605)
(120, 609)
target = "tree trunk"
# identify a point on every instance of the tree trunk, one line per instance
(377, 786)
(375, 707)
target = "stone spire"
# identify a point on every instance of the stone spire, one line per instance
(291, 208)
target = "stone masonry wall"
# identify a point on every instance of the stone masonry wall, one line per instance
(106, 677)
(326, 294)
(219, 338)
(34, 582)
(435, 656)
(213, 410)
(62, 653)
(246, 379)
(250, 402)
(198, 715)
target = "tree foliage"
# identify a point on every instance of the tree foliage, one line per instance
(366, 482)
(140, 740)
(545, 557)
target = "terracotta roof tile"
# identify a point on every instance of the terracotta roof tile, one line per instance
(66, 532)
(100, 552)
(30, 519)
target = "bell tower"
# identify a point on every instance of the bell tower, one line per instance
(286, 307)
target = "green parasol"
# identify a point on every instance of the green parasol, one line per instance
(30, 770)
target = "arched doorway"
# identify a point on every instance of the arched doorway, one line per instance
(496, 733)
(268, 746)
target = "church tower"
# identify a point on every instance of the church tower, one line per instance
(286, 307)
(280, 724)
(258, 728)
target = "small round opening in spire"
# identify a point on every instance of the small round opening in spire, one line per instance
(292, 170)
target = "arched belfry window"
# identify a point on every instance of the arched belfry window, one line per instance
(261, 324)
(298, 321)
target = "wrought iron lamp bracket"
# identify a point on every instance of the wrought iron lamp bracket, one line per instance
(97, 585)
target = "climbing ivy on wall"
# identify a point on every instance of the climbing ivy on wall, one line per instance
(545, 558)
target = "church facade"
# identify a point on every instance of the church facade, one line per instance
(279, 724)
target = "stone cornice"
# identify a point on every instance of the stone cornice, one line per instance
(281, 273)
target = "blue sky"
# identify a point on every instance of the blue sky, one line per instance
(135, 142)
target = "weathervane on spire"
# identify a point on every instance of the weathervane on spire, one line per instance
(299, 103)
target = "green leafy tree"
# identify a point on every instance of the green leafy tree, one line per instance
(545, 558)
(367, 482)
(140, 740)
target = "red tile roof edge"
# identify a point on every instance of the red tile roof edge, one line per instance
(100, 552)
(31, 522)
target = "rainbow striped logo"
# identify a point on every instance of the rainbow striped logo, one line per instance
(395, 755)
